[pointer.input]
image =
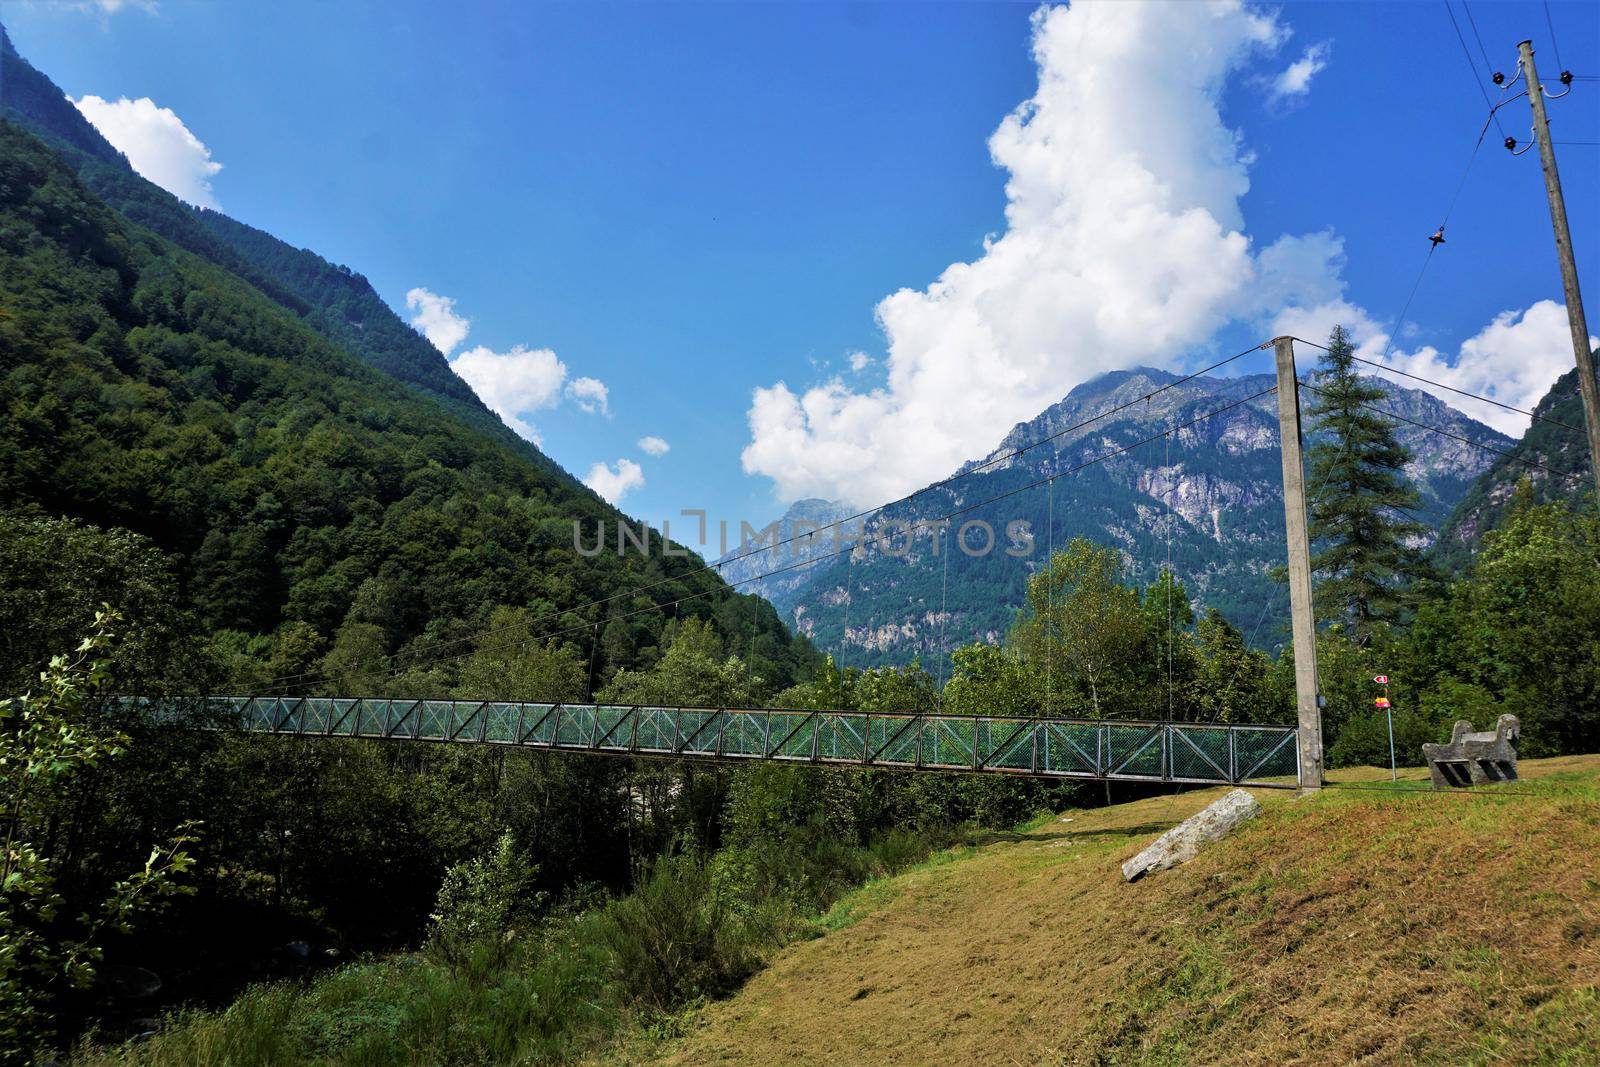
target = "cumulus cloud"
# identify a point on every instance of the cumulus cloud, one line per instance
(613, 483)
(591, 395)
(514, 384)
(1124, 244)
(437, 319)
(654, 446)
(157, 144)
(1514, 360)
(859, 361)
(1295, 79)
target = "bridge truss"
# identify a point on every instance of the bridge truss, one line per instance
(1156, 751)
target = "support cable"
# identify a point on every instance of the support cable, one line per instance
(1472, 66)
(1482, 51)
(1458, 437)
(1050, 604)
(1554, 42)
(1453, 389)
(908, 530)
(976, 468)
(1172, 522)
(944, 615)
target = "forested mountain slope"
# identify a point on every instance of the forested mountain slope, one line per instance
(1554, 442)
(305, 492)
(334, 300)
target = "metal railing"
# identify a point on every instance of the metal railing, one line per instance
(1157, 751)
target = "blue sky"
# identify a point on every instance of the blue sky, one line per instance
(693, 203)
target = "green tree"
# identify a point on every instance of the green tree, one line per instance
(1520, 627)
(1230, 679)
(1361, 510)
(45, 739)
(1084, 634)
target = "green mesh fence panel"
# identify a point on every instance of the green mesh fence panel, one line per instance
(1069, 748)
(658, 730)
(500, 722)
(1199, 753)
(344, 716)
(840, 737)
(1260, 752)
(1133, 750)
(539, 723)
(574, 726)
(611, 727)
(1007, 743)
(797, 736)
(700, 730)
(1265, 752)
(745, 733)
(435, 719)
(900, 742)
(948, 742)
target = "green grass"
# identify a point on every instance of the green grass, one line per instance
(548, 1001)
(878, 892)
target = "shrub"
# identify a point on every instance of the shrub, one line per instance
(479, 902)
(673, 939)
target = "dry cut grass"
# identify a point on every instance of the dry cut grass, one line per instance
(1367, 924)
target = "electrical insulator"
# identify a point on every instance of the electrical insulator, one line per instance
(1566, 77)
(1499, 79)
(1511, 144)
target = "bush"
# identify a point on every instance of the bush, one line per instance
(673, 939)
(479, 902)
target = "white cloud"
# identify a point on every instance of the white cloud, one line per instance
(654, 446)
(614, 484)
(437, 319)
(1295, 79)
(591, 395)
(514, 384)
(859, 361)
(1124, 245)
(1515, 360)
(104, 8)
(157, 143)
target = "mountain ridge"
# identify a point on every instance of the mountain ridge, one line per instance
(337, 302)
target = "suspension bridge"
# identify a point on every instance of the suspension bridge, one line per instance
(1155, 751)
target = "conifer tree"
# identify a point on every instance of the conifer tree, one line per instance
(1361, 511)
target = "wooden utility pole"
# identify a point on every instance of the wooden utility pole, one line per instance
(1569, 268)
(1299, 540)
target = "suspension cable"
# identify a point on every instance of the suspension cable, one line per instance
(1451, 388)
(908, 529)
(942, 483)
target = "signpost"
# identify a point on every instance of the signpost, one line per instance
(1383, 702)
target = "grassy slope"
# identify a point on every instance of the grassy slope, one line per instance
(1375, 925)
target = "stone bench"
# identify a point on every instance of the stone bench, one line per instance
(1475, 757)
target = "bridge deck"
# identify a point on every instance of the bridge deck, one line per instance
(1157, 751)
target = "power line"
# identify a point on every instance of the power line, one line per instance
(909, 531)
(1548, 21)
(1451, 388)
(1455, 436)
(1484, 52)
(1466, 54)
(813, 533)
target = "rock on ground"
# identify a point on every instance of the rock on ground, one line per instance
(1182, 843)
